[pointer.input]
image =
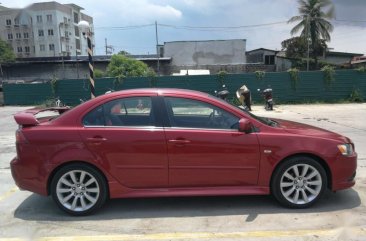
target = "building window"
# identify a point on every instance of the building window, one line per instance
(18, 35)
(76, 17)
(39, 18)
(42, 47)
(10, 36)
(40, 33)
(27, 49)
(269, 59)
(77, 33)
(20, 49)
(8, 22)
(50, 32)
(26, 35)
(16, 21)
(77, 43)
(52, 47)
(49, 17)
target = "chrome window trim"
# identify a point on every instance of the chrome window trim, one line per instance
(132, 127)
(203, 129)
(158, 128)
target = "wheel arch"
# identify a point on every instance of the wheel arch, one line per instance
(55, 170)
(320, 160)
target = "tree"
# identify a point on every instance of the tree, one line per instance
(122, 66)
(6, 54)
(297, 47)
(123, 52)
(314, 24)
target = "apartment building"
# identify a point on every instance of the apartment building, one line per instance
(45, 29)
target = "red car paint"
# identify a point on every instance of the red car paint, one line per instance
(164, 161)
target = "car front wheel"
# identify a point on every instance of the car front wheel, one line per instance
(299, 182)
(79, 189)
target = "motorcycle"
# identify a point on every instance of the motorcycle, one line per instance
(222, 94)
(244, 96)
(267, 95)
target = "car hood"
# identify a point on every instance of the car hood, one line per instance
(308, 130)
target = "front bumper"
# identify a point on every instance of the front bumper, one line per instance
(344, 172)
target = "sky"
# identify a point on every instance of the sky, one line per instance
(129, 25)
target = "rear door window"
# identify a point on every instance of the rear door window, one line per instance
(131, 111)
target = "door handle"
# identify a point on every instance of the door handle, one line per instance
(96, 140)
(179, 142)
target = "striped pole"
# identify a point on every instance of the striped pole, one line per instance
(91, 68)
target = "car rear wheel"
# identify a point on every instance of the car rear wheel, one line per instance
(79, 189)
(299, 182)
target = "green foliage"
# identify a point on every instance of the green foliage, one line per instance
(297, 47)
(294, 76)
(301, 64)
(356, 96)
(328, 72)
(259, 74)
(6, 53)
(53, 84)
(123, 52)
(98, 73)
(221, 75)
(122, 66)
(361, 69)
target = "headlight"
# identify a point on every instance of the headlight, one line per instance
(346, 149)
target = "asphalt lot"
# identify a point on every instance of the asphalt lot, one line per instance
(338, 216)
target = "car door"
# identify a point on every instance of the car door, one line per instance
(126, 136)
(205, 147)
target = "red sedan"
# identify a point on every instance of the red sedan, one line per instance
(170, 142)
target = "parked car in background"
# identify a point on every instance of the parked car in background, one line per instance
(172, 142)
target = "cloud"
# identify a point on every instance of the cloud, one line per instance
(346, 36)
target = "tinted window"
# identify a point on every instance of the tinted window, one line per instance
(94, 117)
(134, 111)
(197, 114)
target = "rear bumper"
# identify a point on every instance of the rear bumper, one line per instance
(344, 172)
(24, 178)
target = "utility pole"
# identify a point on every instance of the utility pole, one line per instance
(108, 48)
(307, 40)
(85, 28)
(157, 47)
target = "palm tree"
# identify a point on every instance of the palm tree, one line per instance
(314, 22)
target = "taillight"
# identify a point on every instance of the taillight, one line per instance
(19, 137)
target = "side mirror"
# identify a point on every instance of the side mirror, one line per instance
(245, 125)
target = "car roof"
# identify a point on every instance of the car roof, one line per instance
(158, 91)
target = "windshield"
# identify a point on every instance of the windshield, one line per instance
(263, 120)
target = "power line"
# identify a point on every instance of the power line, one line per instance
(221, 27)
(195, 28)
(124, 27)
(350, 21)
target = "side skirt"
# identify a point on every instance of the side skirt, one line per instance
(195, 191)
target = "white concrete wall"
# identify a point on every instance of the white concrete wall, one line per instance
(194, 53)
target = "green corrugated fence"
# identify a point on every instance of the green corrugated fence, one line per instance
(310, 87)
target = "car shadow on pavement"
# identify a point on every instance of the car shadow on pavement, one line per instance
(39, 208)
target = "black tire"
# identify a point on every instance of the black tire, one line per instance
(80, 184)
(304, 189)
